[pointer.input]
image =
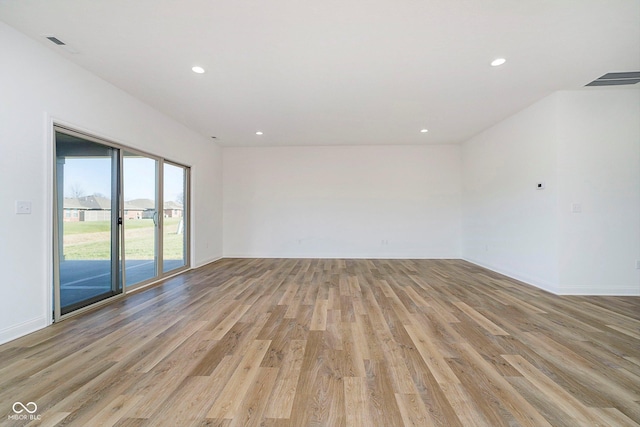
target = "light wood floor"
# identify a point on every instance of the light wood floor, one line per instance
(335, 343)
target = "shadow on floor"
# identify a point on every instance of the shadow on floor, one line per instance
(82, 280)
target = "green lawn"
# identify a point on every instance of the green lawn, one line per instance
(104, 226)
(91, 240)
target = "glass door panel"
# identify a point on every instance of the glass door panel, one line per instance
(140, 218)
(87, 222)
(174, 242)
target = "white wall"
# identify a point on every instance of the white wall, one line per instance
(37, 86)
(342, 202)
(599, 169)
(586, 146)
(508, 224)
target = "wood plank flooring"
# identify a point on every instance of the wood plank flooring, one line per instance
(267, 342)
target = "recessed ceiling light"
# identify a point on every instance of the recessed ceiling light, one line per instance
(259, 133)
(197, 69)
(498, 61)
(424, 130)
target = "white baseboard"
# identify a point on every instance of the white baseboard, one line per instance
(603, 290)
(533, 281)
(16, 331)
(207, 261)
(333, 256)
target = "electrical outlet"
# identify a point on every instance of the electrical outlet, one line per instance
(638, 264)
(23, 207)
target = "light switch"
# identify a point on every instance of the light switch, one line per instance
(23, 207)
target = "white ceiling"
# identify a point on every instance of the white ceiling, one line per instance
(339, 71)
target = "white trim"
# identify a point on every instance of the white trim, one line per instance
(209, 261)
(604, 290)
(192, 216)
(533, 281)
(21, 329)
(334, 256)
(48, 217)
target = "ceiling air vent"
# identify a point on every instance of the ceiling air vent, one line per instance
(59, 43)
(56, 41)
(616, 79)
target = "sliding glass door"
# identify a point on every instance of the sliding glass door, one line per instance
(174, 246)
(87, 189)
(120, 220)
(141, 218)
